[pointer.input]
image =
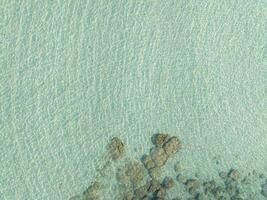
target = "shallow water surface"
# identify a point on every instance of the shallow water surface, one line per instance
(75, 74)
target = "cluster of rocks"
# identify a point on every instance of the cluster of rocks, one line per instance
(154, 189)
(141, 179)
(116, 150)
(165, 147)
(231, 186)
(213, 190)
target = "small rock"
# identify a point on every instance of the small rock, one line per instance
(236, 198)
(121, 176)
(223, 175)
(157, 198)
(191, 198)
(200, 196)
(154, 185)
(232, 189)
(234, 174)
(177, 167)
(181, 178)
(116, 148)
(159, 156)
(245, 180)
(176, 198)
(168, 183)
(93, 191)
(147, 197)
(192, 185)
(218, 192)
(161, 192)
(209, 186)
(105, 169)
(155, 172)
(135, 171)
(141, 192)
(172, 146)
(159, 139)
(128, 195)
(261, 176)
(264, 190)
(148, 162)
(254, 173)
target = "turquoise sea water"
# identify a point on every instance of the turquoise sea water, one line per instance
(73, 74)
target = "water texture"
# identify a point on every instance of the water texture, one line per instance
(74, 74)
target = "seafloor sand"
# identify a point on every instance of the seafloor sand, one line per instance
(73, 74)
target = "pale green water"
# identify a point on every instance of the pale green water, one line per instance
(75, 73)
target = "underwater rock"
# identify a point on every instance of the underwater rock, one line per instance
(168, 182)
(158, 198)
(116, 148)
(135, 171)
(121, 176)
(181, 178)
(264, 190)
(131, 176)
(261, 176)
(105, 169)
(128, 195)
(209, 186)
(245, 180)
(176, 198)
(159, 138)
(236, 198)
(200, 196)
(141, 192)
(172, 146)
(93, 191)
(155, 173)
(154, 185)
(159, 156)
(77, 197)
(148, 162)
(218, 192)
(192, 184)
(223, 175)
(232, 189)
(178, 167)
(234, 174)
(161, 192)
